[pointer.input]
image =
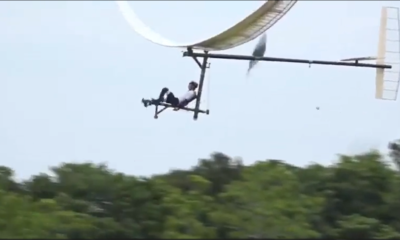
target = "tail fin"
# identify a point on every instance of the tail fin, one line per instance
(388, 80)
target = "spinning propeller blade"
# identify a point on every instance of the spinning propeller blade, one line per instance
(259, 51)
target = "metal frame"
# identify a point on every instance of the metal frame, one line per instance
(356, 63)
(204, 65)
(166, 105)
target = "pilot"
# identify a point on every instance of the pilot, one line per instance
(169, 97)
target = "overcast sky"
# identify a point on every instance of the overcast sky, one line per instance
(73, 74)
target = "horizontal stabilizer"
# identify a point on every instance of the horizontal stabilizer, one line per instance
(359, 59)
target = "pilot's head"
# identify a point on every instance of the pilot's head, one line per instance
(192, 85)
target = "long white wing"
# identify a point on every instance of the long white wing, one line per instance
(244, 31)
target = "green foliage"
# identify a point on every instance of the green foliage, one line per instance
(219, 198)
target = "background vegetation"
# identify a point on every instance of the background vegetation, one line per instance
(356, 197)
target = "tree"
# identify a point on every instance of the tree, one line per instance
(219, 198)
(268, 203)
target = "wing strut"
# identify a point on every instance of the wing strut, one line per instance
(203, 69)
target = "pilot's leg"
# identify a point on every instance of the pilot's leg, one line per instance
(146, 102)
(171, 99)
(162, 94)
(160, 98)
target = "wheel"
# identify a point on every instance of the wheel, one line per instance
(208, 112)
(155, 117)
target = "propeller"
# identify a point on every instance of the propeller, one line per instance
(258, 51)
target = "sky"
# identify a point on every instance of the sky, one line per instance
(73, 75)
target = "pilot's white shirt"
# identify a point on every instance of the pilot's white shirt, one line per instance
(188, 96)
